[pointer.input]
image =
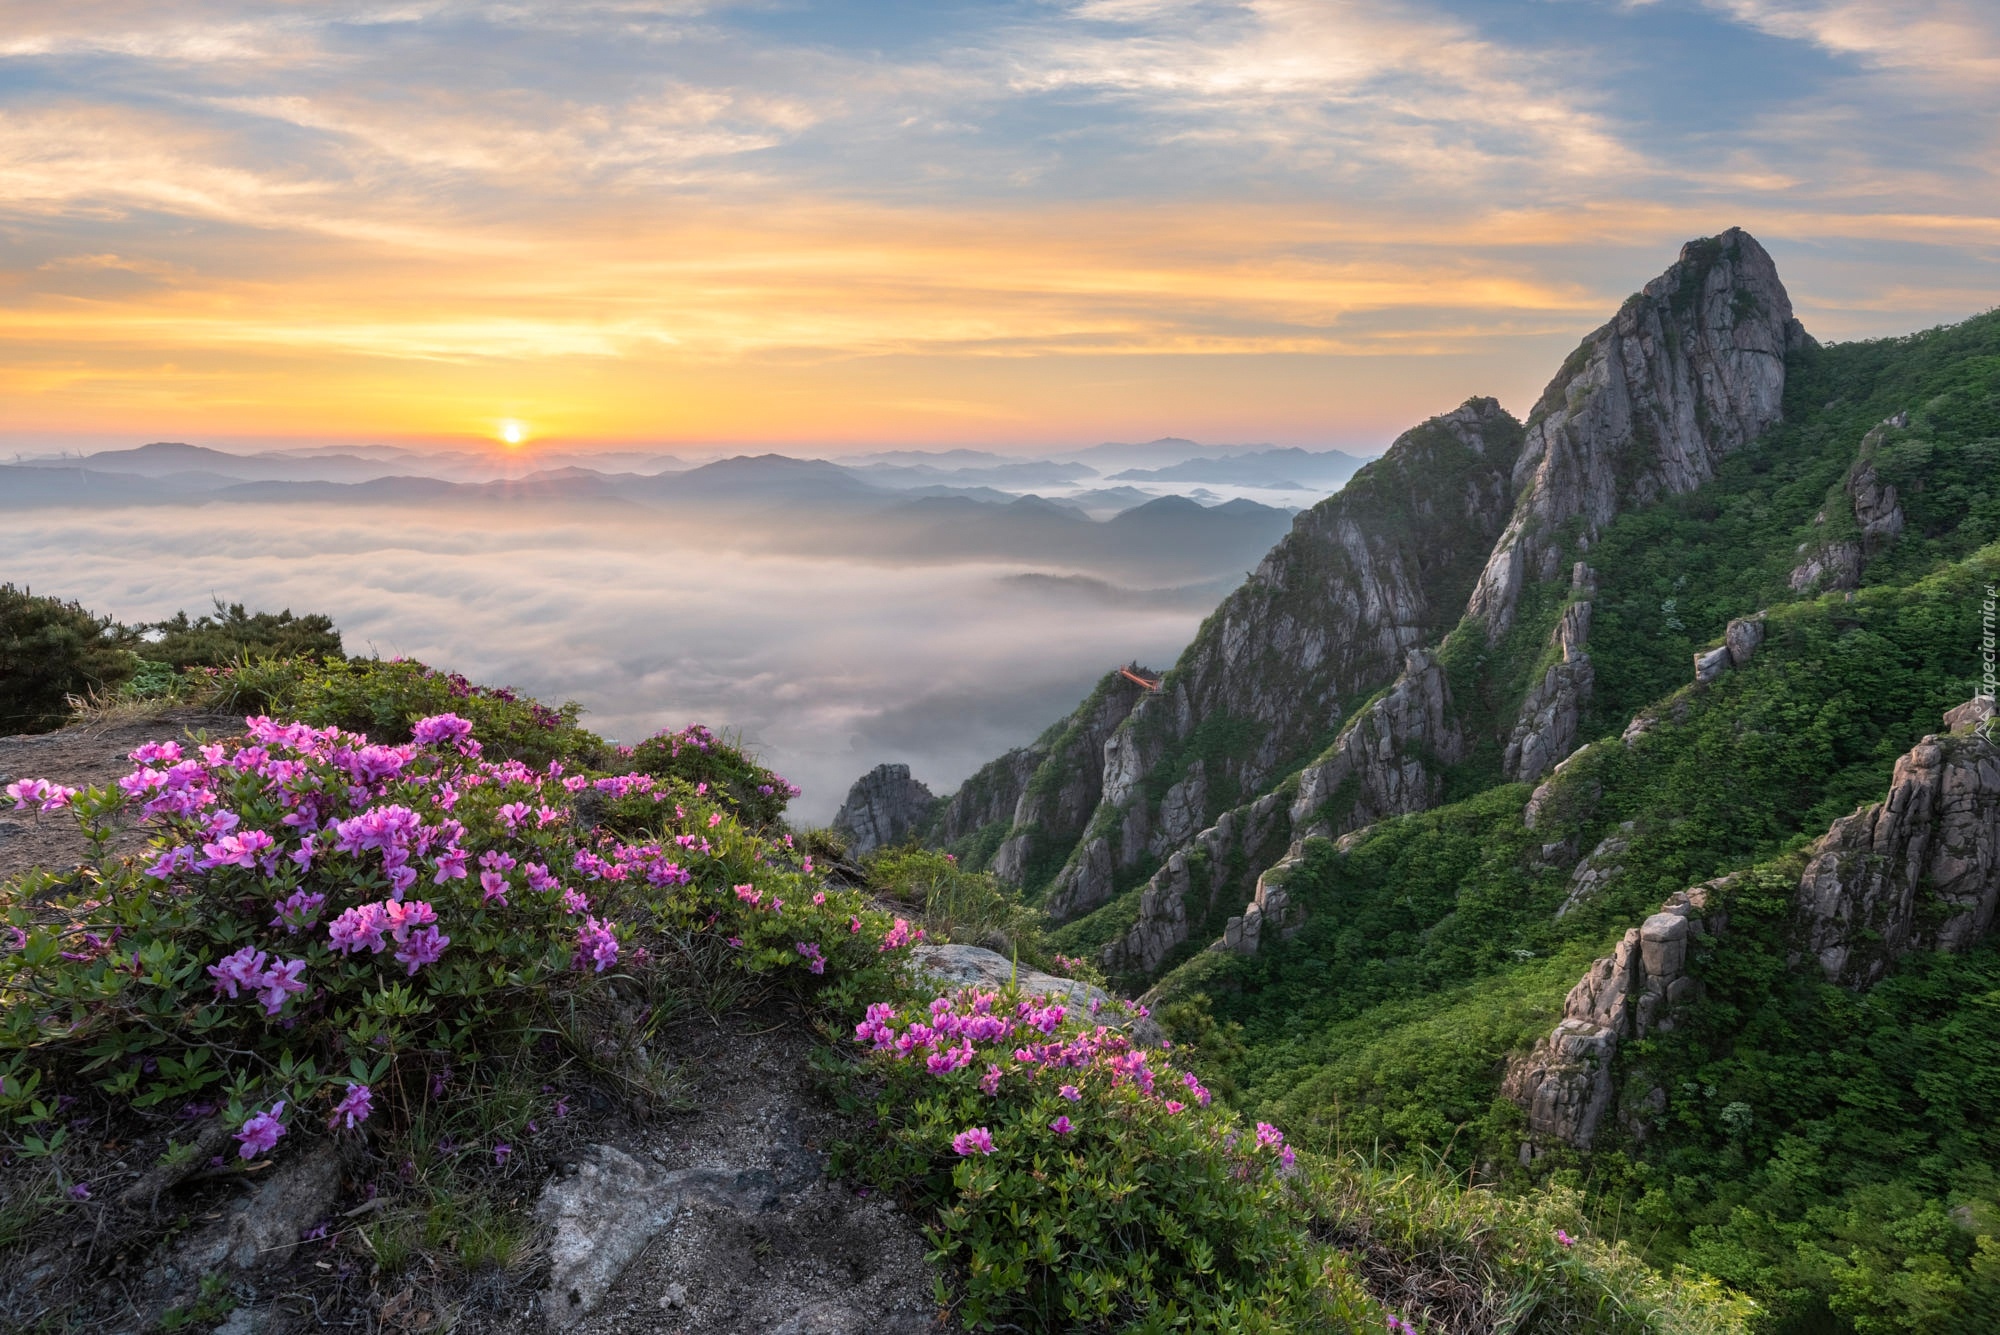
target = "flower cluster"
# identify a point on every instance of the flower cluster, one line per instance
(40, 794)
(246, 969)
(1030, 1041)
(375, 899)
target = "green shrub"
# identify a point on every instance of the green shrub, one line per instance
(406, 943)
(51, 650)
(230, 634)
(1083, 1184)
(706, 762)
(384, 698)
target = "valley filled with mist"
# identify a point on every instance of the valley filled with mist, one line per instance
(938, 606)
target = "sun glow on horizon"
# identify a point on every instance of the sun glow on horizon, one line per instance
(512, 433)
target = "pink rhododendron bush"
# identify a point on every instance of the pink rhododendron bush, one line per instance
(332, 937)
(1085, 1183)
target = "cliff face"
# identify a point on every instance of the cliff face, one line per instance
(1919, 870)
(1565, 1084)
(1692, 367)
(1056, 802)
(1363, 577)
(1449, 526)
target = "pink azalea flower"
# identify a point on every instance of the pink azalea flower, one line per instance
(1061, 1126)
(1070, 1092)
(421, 948)
(261, 1131)
(278, 982)
(976, 1141)
(354, 1107)
(595, 943)
(245, 969)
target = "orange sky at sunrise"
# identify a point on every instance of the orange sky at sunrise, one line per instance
(1313, 224)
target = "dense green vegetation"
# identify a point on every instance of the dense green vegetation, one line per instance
(1828, 1151)
(54, 652)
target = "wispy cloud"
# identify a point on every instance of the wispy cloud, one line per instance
(639, 218)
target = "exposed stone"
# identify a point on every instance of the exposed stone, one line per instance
(1642, 723)
(1741, 638)
(1380, 757)
(1690, 369)
(1917, 871)
(1556, 794)
(1066, 784)
(1182, 808)
(263, 1226)
(602, 1210)
(1269, 913)
(1084, 882)
(1195, 881)
(1971, 714)
(1827, 568)
(1545, 732)
(1598, 870)
(1565, 1084)
(884, 807)
(1372, 572)
(1834, 564)
(1710, 664)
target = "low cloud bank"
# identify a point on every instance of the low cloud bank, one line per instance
(824, 665)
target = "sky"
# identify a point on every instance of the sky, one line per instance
(839, 226)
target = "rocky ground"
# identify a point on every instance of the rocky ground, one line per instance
(726, 1213)
(714, 1215)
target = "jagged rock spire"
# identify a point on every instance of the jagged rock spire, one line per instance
(1691, 367)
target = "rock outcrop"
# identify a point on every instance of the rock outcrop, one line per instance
(990, 796)
(1833, 562)
(1545, 732)
(1691, 368)
(1270, 912)
(1057, 801)
(1566, 1084)
(1598, 870)
(1739, 645)
(1384, 763)
(1917, 871)
(884, 807)
(1195, 882)
(1365, 576)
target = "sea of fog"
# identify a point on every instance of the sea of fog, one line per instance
(824, 665)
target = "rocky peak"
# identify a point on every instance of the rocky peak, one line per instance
(1691, 367)
(884, 807)
(1372, 572)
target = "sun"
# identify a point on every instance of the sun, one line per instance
(512, 432)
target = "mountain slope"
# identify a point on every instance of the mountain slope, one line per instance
(1738, 576)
